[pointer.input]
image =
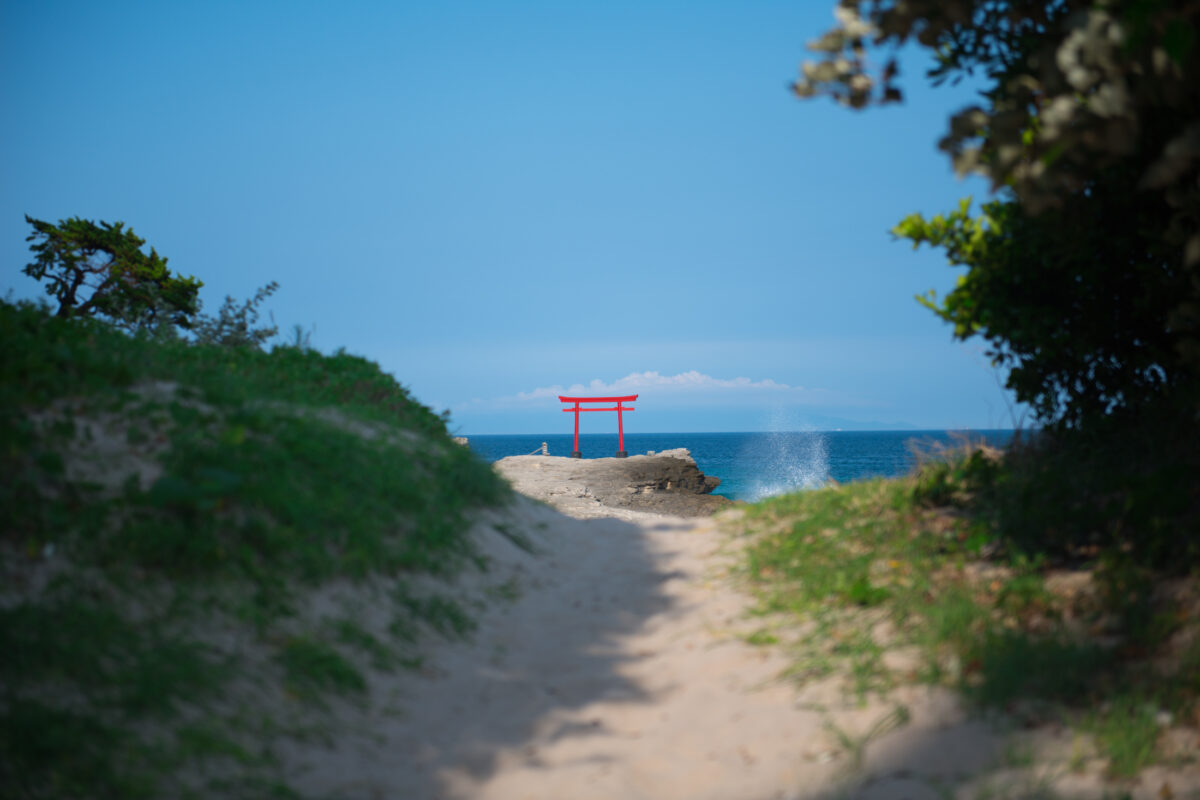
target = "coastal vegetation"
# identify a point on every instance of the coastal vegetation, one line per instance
(1083, 274)
(100, 270)
(1057, 580)
(189, 526)
(955, 576)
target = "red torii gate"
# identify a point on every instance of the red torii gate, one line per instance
(617, 408)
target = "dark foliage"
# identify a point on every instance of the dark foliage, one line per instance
(100, 270)
(1085, 276)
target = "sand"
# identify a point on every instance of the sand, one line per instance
(615, 666)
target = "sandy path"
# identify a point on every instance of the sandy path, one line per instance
(615, 676)
(619, 672)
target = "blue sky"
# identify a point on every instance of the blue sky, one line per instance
(497, 199)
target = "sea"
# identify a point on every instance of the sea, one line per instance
(753, 466)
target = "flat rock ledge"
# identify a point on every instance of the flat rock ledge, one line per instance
(668, 482)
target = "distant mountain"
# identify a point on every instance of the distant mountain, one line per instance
(840, 423)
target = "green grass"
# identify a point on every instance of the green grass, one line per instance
(855, 747)
(352, 635)
(1126, 730)
(313, 668)
(278, 473)
(924, 563)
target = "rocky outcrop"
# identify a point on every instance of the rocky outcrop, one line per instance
(665, 483)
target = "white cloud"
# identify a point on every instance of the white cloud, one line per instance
(686, 387)
(634, 382)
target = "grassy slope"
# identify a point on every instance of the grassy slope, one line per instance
(154, 490)
(919, 580)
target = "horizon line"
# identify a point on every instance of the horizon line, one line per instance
(807, 430)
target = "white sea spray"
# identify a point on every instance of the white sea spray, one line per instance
(788, 459)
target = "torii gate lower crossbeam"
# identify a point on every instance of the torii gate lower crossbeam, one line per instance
(620, 409)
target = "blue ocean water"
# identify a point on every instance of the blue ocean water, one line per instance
(752, 466)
